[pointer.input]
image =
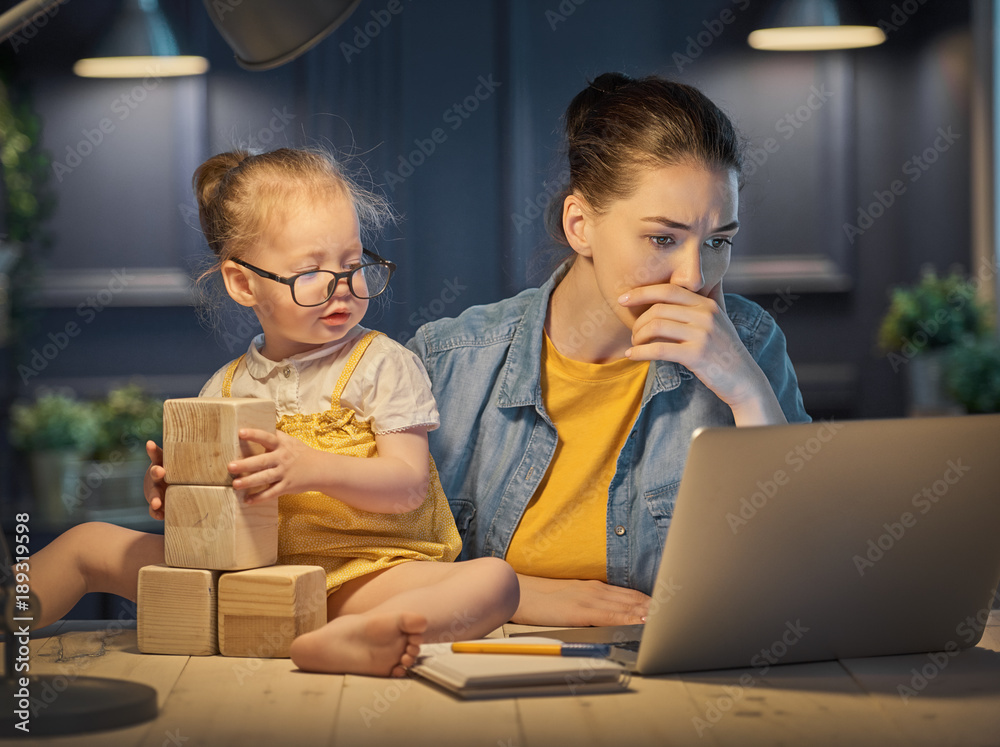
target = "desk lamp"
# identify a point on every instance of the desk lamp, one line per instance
(263, 33)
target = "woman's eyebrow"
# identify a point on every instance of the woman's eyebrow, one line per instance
(685, 227)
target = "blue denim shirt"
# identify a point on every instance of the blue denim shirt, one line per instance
(496, 440)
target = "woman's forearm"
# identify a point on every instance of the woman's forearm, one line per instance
(575, 602)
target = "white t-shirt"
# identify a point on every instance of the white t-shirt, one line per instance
(389, 389)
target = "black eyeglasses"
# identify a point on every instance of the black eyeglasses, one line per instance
(316, 287)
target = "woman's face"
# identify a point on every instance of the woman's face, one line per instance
(677, 227)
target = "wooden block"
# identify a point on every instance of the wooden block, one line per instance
(178, 611)
(207, 526)
(200, 436)
(262, 611)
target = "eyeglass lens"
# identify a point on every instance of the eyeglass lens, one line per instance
(316, 288)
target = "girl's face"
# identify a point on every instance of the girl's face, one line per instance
(677, 227)
(319, 234)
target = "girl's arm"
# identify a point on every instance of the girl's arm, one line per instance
(393, 482)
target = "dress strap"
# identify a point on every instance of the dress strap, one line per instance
(227, 383)
(352, 363)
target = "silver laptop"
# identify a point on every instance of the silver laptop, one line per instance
(827, 540)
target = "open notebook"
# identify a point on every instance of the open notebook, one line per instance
(475, 676)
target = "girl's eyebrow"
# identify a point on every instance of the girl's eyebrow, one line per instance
(685, 227)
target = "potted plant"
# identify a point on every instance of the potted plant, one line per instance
(127, 418)
(27, 203)
(972, 375)
(57, 432)
(922, 322)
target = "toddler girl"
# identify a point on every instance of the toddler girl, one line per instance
(349, 463)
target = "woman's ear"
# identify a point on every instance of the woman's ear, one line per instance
(237, 284)
(575, 219)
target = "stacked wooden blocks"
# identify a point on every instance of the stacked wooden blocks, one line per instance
(219, 590)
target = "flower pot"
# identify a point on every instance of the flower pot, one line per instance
(112, 488)
(54, 478)
(925, 374)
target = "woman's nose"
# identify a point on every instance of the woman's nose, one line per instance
(687, 272)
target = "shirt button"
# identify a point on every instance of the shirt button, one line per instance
(287, 372)
(619, 530)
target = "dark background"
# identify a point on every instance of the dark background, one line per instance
(842, 127)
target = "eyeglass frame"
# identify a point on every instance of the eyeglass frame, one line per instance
(348, 275)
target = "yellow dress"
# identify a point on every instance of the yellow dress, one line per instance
(317, 529)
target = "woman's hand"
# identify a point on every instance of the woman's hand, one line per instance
(154, 485)
(572, 602)
(286, 466)
(695, 331)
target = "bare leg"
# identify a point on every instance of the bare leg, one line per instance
(407, 604)
(87, 558)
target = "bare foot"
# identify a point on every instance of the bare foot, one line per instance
(383, 644)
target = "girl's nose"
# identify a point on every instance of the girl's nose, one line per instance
(341, 289)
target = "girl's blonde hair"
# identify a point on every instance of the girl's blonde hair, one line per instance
(239, 193)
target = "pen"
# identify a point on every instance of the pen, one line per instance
(595, 650)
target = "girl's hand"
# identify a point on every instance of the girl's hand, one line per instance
(286, 466)
(154, 485)
(695, 331)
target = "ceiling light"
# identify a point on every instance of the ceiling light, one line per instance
(140, 43)
(809, 25)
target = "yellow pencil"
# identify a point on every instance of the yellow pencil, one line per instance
(597, 650)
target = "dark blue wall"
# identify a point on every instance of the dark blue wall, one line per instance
(484, 83)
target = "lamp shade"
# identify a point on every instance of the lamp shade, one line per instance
(268, 33)
(795, 25)
(140, 42)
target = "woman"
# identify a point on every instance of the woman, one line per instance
(567, 410)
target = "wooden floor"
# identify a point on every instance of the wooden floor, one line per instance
(218, 701)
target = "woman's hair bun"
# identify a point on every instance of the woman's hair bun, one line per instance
(590, 97)
(610, 82)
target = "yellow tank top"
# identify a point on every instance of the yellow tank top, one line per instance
(317, 529)
(563, 532)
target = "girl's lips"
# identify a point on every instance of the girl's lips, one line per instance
(337, 317)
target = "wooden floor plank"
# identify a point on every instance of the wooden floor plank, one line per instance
(416, 713)
(942, 697)
(221, 701)
(617, 718)
(816, 704)
(77, 650)
(224, 702)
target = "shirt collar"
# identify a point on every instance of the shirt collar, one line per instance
(521, 374)
(260, 367)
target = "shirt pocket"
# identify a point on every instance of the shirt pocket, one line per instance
(465, 512)
(660, 503)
